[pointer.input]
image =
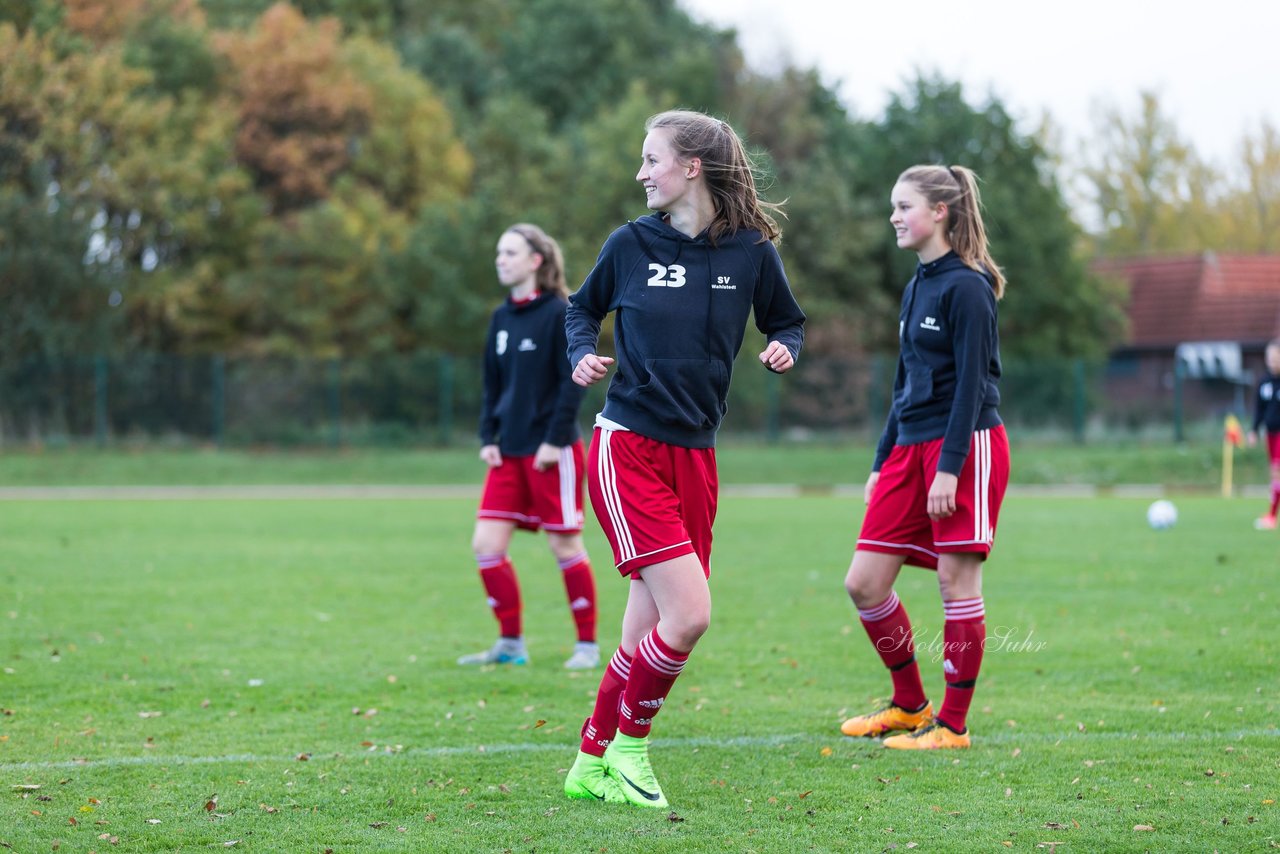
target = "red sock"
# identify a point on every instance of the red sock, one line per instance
(601, 727)
(889, 628)
(963, 634)
(580, 587)
(1275, 496)
(499, 579)
(653, 672)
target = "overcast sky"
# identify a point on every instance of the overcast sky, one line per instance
(1215, 65)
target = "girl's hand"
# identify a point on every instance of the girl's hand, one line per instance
(546, 457)
(491, 456)
(777, 358)
(870, 488)
(591, 369)
(942, 495)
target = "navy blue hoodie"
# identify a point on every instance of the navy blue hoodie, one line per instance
(948, 362)
(529, 395)
(681, 313)
(1266, 404)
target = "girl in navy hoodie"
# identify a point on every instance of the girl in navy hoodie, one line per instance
(681, 284)
(532, 446)
(942, 464)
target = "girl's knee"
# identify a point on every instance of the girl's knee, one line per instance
(686, 629)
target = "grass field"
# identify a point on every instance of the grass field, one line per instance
(278, 676)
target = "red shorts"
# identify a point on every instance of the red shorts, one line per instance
(897, 520)
(654, 501)
(1273, 447)
(552, 500)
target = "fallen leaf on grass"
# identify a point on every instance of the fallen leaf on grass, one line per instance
(806, 794)
(303, 757)
(673, 818)
(211, 804)
(1143, 827)
(153, 821)
(267, 809)
(544, 723)
(378, 824)
(25, 787)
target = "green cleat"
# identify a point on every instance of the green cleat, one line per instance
(587, 779)
(627, 761)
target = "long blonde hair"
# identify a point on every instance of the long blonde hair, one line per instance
(729, 171)
(550, 274)
(957, 188)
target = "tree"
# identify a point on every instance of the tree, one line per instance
(1053, 308)
(1150, 190)
(301, 107)
(575, 59)
(409, 150)
(151, 179)
(1254, 210)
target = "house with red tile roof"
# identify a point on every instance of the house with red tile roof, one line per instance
(1212, 312)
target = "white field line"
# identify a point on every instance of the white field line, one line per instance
(418, 492)
(1000, 738)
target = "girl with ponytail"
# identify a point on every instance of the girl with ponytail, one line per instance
(942, 464)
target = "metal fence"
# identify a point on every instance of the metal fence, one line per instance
(434, 399)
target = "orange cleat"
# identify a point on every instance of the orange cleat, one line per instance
(890, 718)
(933, 736)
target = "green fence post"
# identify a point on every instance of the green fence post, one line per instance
(333, 399)
(219, 394)
(1078, 412)
(100, 400)
(1178, 372)
(446, 399)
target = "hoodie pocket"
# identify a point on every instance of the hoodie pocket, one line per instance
(688, 393)
(919, 386)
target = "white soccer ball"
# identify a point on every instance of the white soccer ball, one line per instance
(1162, 514)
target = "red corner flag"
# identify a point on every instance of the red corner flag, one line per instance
(1232, 433)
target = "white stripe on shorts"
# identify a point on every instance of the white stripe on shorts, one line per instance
(568, 492)
(982, 483)
(612, 499)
